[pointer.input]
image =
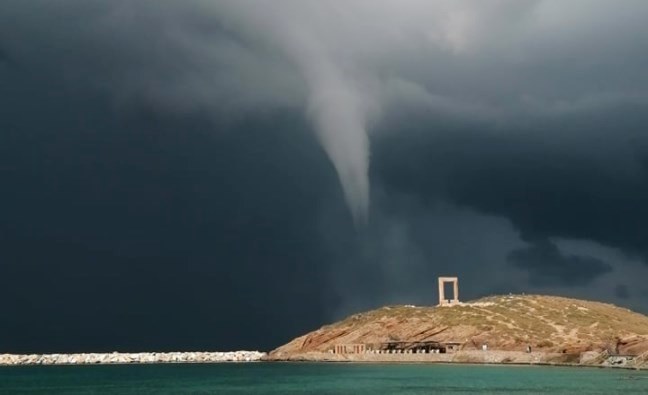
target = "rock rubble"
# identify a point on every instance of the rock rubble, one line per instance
(126, 358)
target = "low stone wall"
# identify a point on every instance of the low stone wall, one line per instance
(475, 356)
(365, 357)
(126, 358)
(494, 356)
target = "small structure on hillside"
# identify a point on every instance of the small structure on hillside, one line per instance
(442, 299)
(452, 347)
(415, 347)
(349, 349)
(399, 347)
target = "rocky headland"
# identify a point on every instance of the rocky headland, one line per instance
(523, 329)
(517, 329)
(130, 358)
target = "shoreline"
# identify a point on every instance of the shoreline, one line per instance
(477, 358)
(494, 364)
(513, 364)
(493, 357)
(293, 362)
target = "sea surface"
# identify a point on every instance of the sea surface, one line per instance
(326, 378)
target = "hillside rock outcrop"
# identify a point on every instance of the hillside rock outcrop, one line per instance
(513, 323)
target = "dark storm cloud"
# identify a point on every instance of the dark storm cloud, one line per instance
(159, 233)
(546, 265)
(139, 229)
(580, 177)
(168, 168)
(227, 57)
(4, 56)
(621, 291)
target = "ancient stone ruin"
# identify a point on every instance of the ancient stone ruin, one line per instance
(442, 299)
(350, 349)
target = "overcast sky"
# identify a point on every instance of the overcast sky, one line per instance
(208, 174)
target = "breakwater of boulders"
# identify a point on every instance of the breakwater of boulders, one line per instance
(128, 358)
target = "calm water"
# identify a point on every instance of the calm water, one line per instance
(266, 378)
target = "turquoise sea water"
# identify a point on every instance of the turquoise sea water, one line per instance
(331, 379)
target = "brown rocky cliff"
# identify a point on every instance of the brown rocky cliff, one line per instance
(546, 323)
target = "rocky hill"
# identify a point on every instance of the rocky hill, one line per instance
(509, 323)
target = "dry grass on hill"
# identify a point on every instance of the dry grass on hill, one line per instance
(547, 323)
